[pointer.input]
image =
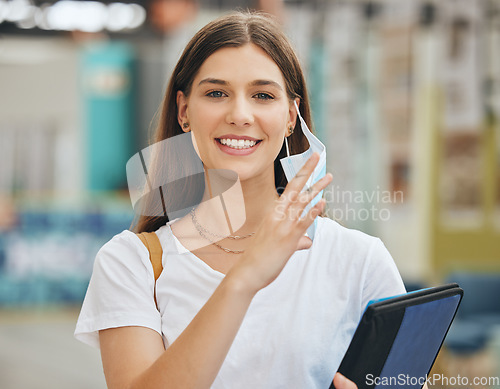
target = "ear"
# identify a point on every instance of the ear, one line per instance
(182, 110)
(292, 113)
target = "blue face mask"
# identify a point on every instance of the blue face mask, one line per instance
(292, 164)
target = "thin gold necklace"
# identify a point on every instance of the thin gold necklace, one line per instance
(203, 233)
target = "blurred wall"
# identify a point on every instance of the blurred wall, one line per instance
(40, 115)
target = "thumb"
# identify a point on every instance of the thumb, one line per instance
(304, 243)
(340, 382)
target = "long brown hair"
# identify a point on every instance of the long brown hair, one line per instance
(233, 30)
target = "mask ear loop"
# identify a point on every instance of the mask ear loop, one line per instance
(309, 181)
(286, 137)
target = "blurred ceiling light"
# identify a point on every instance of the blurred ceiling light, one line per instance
(87, 16)
(28, 22)
(61, 15)
(119, 16)
(125, 16)
(17, 10)
(3, 10)
(41, 17)
(93, 16)
(69, 15)
(139, 16)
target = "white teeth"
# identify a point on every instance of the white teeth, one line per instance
(238, 143)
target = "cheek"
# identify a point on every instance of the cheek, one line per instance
(205, 116)
(275, 124)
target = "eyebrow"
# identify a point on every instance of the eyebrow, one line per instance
(253, 83)
(266, 82)
(212, 81)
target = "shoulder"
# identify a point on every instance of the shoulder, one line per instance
(350, 248)
(124, 251)
(120, 291)
(360, 257)
(126, 242)
(126, 238)
(331, 233)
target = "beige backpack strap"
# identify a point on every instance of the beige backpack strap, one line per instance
(152, 243)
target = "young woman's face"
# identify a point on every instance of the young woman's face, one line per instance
(238, 111)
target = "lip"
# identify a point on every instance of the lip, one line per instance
(237, 137)
(238, 152)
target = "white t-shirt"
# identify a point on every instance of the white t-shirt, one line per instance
(296, 330)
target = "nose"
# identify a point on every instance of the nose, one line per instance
(240, 112)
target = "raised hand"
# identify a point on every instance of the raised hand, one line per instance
(282, 231)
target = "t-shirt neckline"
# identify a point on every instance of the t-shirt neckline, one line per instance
(197, 260)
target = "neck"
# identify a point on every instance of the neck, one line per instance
(259, 201)
(257, 195)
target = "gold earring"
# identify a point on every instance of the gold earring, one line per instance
(185, 125)
(290, 130)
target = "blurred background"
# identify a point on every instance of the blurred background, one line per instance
(405, 95)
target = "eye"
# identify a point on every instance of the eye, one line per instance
(264, 96)
(215, 94)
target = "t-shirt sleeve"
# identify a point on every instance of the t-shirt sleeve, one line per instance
(121, 290)
(381, 278)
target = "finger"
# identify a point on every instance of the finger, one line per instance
(315, 211)
(294, 187)
(304, 243)
(322, 183)
(307, 196)
(341, 382)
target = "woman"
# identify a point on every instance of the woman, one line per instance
(265, 307)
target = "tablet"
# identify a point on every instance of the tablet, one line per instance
(398, 339)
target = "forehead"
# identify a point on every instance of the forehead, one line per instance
(237, 64)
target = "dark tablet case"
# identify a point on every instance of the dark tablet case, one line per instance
(400, 337)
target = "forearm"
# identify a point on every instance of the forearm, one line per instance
(195, 357)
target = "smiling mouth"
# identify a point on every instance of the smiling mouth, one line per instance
(238, 144)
